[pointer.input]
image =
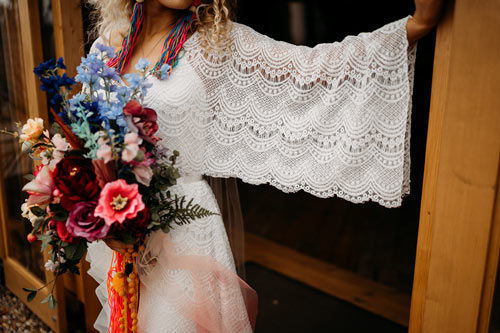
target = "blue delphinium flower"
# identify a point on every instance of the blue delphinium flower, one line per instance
(67, 81)
(110, 73)
(108, 50)
(123, 94)
(163, 72)
(60, 63)
(44, 67)
(52, 82)
(56, 102)
(134, 80)
(142, 65)
(76, 101)
(137, 84)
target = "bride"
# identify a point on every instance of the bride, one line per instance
(329, 120)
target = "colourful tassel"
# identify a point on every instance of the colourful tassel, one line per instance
(174, 42)
(122, 60)
(171, 47)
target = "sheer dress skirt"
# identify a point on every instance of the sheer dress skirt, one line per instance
(190, 283)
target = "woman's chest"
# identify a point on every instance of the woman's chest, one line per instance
(179, 93)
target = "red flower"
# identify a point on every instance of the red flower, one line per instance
(143, 119)
(137, 227)
(63, 233)
(74, 177)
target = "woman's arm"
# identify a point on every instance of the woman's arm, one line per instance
(330, 120)
(426, 16)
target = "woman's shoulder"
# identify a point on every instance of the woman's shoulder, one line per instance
(238, 29)
(246, 36)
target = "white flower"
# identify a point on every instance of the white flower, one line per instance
(25, 210)
(50, 265)
(26, 213)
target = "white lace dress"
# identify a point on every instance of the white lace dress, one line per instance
(329, 120)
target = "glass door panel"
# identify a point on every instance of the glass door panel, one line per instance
(14, 164)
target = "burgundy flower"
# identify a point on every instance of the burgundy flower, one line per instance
(144, 119)
(83, 223)
(74, 177)
(137, 227)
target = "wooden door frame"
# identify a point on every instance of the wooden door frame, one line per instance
(459, 234)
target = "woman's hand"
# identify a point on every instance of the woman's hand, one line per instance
(117, 245)
(426, 16)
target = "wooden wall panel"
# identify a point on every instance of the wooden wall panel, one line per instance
(461, 173)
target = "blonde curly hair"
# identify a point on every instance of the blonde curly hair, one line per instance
(213, 20)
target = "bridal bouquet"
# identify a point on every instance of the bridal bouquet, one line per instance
(101, 175)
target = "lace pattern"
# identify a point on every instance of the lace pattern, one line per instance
(330, 120)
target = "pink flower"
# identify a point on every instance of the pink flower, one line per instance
(142, 120)
(41, 187)
(104, 152)
(148, 159)
(132, 142)
(60, 143)
(119, 201)
(143, 174)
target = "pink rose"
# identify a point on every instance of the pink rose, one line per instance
(82, 222)
(119, 201)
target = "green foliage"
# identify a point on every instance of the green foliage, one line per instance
(51, 300)
(176, 211)
(75, 251)
(81, 127)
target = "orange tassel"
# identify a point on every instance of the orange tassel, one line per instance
(123, 293)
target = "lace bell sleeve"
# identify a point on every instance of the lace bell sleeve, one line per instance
(329, 120)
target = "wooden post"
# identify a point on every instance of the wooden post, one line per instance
(458, 241)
